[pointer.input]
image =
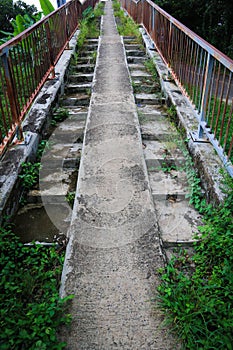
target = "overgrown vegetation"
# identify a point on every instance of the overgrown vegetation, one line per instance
(125, 25)
(197, 290)
(31, 310)
(59, 115)
(89, 25)
(30, 171)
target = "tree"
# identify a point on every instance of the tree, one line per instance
(21, 8)
(6, 14)
(9, 10)
(211, 19)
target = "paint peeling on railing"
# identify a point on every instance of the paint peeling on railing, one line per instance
(27, 60)
(203, 72)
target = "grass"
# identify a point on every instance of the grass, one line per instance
(125, 25)
(196, 291)
(89, 25)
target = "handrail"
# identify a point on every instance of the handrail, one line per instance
(203, 73)
(27, 60)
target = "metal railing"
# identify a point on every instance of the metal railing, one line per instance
(27, 60)
(203, 73)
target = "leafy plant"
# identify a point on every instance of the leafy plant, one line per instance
(150, 66)
(31, 310)
(70, 197)
(89, 25)
(125, 25)
(197, 291)
(30, 174)
(59, 115)
(46, 7)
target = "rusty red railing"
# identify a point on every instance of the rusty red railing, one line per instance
(203, 73)
(27, 60)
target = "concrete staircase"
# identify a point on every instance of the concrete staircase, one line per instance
(177, 219)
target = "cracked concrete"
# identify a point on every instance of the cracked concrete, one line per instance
(113, 252)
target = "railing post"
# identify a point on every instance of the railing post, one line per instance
(10, 86)
(170, 41)
(51, 55)
(205, 95)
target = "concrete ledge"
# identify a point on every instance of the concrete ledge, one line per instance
(204, 156)
(34, 126)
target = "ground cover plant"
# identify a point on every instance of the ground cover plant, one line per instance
(197, 290)
(30, 308)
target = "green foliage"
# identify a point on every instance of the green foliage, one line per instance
(125, 25)
(150, 66)
(29, 174)
(89, 26)
(211, 19)
(25, 17)
(31, 310)
(30, 171)
(9, 10)
(197, 290)
(70, 197)
(59, 115)
(46, 7)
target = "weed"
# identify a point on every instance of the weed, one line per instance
(30, 174)
(31, 310)
(89, 25)
(197, 291)
(93, 57)
(70, 197)
(150, 66)
(172, 113)
(126, 26)
(59, 115)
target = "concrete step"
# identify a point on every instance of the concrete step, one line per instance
(149, 99)
(153, 134)
(138, 73)
(148, 89)
(79, 112)
(135, 53)
(55, 183)
(157, 121)
(162, 154)
(137, 66)
(172, 185)
(178, 222)
(80, 78)
(86, 60)
(84, 68)
(78, 88)
(130, 39)
(63, 155)
(76, 100)
(136, 59)
(91, 46)
(133, 46)
(70, 131)
(87, 53)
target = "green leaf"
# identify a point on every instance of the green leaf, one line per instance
(19, 25)
(46, 7)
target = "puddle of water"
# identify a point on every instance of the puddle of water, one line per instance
(32, 223)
